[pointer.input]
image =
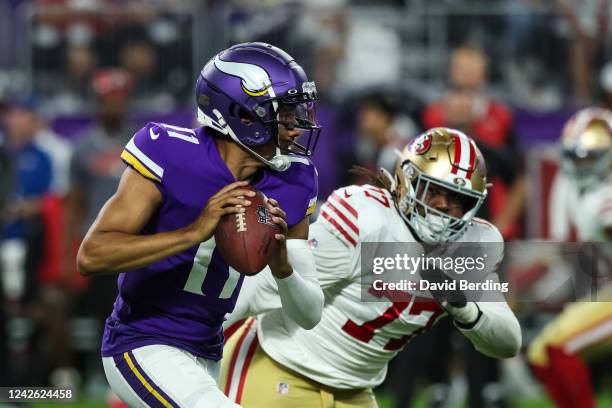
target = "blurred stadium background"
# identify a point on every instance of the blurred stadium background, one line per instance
(77, 77)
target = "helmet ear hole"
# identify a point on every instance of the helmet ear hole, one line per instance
(245, 117)
(232, 110)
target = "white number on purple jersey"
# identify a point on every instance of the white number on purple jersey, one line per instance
(198, 272)
(182, 133)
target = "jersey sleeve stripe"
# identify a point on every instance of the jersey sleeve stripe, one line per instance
(138, 166)
(312, 206)
(144, 159)
(345, 204)
(338, 228)
(343, 217)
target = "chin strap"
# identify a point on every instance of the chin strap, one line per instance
(280, 162)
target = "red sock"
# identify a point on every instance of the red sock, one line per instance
(567, 380)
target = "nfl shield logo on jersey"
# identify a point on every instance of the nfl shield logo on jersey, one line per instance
(313, 243)
(282, 388)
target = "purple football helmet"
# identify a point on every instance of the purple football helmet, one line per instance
(241, 91)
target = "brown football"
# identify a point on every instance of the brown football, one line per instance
(246, 241)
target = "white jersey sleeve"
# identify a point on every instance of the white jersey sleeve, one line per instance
(299, 294)
(497, 332)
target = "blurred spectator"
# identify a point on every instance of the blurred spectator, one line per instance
(32, 236)
(95, 170)
(25, 109)
(382, 129)
(22, 233)
(585, 24)
(467, 107)
(5, 177)
(51, 304)
(368, 42)
(319, 38)
(74, 95)
(605, 83)
(140, 59)
(96, 165)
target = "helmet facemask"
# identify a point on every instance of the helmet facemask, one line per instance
(292, 112)
(587, 168)
(433, 226)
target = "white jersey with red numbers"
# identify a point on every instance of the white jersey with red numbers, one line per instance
(589, 211)
(354, 341)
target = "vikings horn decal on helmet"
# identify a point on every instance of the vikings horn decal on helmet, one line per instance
(241, 91)
(445, 158)
(586, 144)
(255, 80)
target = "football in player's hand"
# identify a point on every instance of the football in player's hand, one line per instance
(246, 240)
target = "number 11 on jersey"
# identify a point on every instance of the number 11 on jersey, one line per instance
(199, 270)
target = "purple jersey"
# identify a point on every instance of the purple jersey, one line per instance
(182, 300)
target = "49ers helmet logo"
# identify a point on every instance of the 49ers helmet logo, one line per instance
(422, 144)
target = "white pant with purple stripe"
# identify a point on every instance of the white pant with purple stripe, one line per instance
(165, 376)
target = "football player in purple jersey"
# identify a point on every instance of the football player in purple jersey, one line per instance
(163, 340)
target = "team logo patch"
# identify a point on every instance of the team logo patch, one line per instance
(459, 181)
(282, 388)
(422, 144)
(263, 216)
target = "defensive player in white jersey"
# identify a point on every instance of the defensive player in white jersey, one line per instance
(582, 199)
(439, 184)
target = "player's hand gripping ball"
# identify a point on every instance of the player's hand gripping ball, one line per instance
(246, 240)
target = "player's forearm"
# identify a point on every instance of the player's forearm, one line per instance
(497, 332)
(302, 300)
(112, 252)
(301, 296)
